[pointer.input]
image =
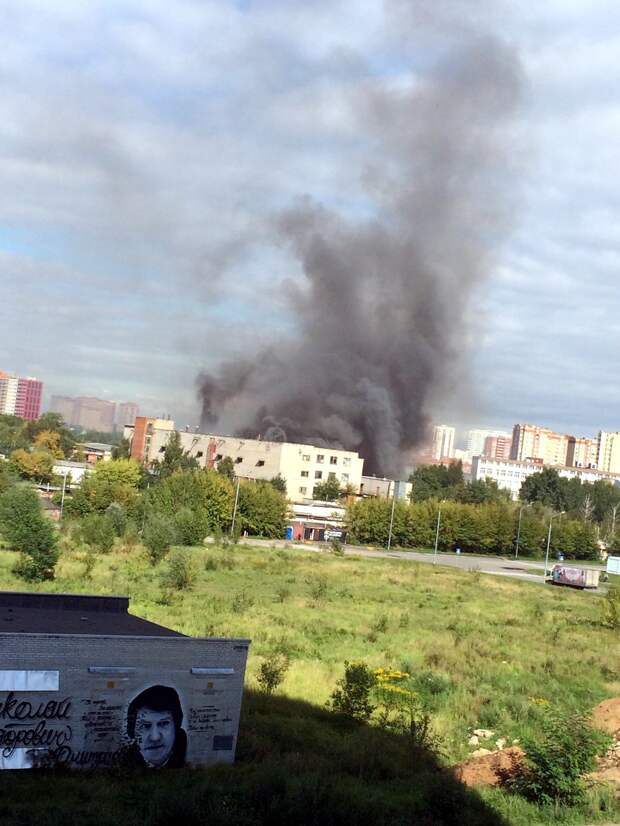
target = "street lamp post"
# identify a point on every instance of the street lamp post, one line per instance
(234, 516)
(389, 542)
(549, 540)
(521, 509)
(62, 498)
(437, 536)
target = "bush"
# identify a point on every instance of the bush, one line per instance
(182, 571)
(564, 750)
(351, 697)
(192, 526)
(115, 512)
(272, 671)
(611, 609)
(158, 536)
(97, 530)
(26, 528)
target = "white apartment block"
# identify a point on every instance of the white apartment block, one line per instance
(608, 451)
(303, 466)
(443, 441)
(476, 439)
(510, 475)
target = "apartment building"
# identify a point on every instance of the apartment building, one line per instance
(582, 452)
(302, 465)
(510, 474)
(477, 438)
(608, 451)
(90, 413)
(443, 442)
(497, 447)
(534, 442)
(20, 396)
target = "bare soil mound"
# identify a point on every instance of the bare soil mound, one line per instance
(490, 769)
(606, 716)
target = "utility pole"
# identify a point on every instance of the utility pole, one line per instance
(549, 540)
(437, 536)
(519, 532)
(234, 516)
(389, 544)
(62, 498)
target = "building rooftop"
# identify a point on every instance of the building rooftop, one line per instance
(37, 613)
(97, 445)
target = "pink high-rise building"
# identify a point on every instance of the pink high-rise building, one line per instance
(20, 396)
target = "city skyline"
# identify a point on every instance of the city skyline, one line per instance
(169, 250)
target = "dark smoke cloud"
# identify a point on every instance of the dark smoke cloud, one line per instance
(380, 313)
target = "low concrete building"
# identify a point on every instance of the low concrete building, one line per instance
(73, 471)
(510, 475)
(85, 684)
(303, 466)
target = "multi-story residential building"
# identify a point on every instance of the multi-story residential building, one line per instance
(476, 439)
(608, 451)
(534, 442)
(582, 452)
(443, 442)
(510, 475)
(384, 488)
(20, 396)
(91, 413)
(497, 447)
(126, 413)
(303, 466)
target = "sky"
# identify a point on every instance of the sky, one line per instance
(147, 149)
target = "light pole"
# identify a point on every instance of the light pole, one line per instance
(437, 536)
(389, 542)
(234, 516)
(62, 498)
(519, 529)
(549, 540)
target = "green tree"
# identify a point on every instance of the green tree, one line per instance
(544, 487)
(175, 458)
(13, 434)
(326, 491)
(192, 526)
(97, 530)
(437, 482)
(37, 465)
(51, 422)
(262, 510)
(226, 468)
(198, 490)
(7, 476)
(279, 483)
(122, 450)
(114, 481)
(158, 536)
(482, 490)
(26, 529)
(48, 441)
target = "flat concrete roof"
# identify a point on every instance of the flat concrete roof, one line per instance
(39, 613)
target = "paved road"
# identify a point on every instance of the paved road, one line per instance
(530, 571)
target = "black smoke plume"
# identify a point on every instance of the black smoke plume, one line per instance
(380, 314)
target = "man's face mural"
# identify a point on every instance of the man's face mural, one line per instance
(155, 735)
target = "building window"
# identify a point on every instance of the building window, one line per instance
(305, 457)
(318, 474)
(162, 449)
(219, 457)
(238, 460)
(319, 458)
(303, 490)
(260, 463)
(200, 454)
(331, 475)
(346, 461)
(304, 473)
(345, 477)
(333, 460)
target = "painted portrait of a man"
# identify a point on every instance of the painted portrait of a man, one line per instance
(154, 727)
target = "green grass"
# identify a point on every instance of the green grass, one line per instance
(494, 644)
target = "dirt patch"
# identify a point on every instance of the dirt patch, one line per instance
(490, 769)
(606, 716)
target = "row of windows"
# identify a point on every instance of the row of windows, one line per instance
(320, 458)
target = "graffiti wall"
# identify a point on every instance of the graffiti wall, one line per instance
(88, 702)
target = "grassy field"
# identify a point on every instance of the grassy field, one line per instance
(488, 653)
